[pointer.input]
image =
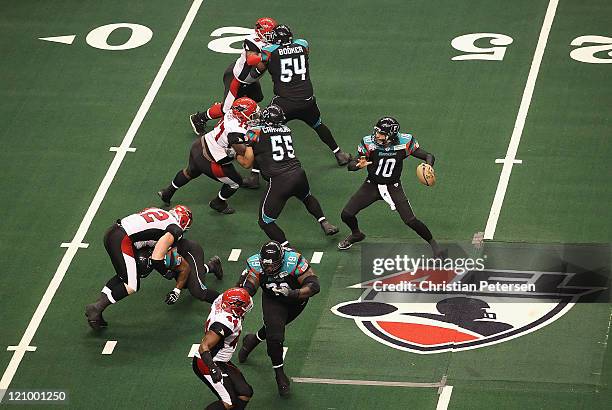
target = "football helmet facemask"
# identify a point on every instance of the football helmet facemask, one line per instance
(264, 29)
(183, 215)
(282, 35)
(236, 301)
(273, 114)
(245, 110)
(387, 126)
(271, 257)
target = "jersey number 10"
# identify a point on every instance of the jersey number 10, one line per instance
(292, 66)
(385, 167)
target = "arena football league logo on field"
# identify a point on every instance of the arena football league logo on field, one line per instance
(429, 311)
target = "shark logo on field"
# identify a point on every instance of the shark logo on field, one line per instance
(427, 322)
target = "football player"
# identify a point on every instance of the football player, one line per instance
(186, 266)
(212, 363)
(237, 78)
(383, 153)
(287, 62)
(287, 282)
(151, 227)
(212, 154)
(272, 147)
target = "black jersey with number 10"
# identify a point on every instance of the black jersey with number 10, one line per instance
(273, 149)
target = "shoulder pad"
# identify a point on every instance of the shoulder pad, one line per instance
(270, 48)
(301, 42)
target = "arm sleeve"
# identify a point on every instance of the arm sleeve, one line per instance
(220, 329)
(175, 231)
(301, 266)
(420, 153)
(235, 138)
(411, 146)
(248, 45)
(362, 150)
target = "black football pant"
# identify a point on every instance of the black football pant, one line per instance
(231, 386)
(368, 193)
(121, 251)
(193, 254)
(226, 173)
(280, 189)
(277, 313)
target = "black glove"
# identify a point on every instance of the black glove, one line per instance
(215, 373)
(173, 296)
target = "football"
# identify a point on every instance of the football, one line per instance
(425, 174)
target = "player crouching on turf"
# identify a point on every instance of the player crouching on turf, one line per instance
(287, 282)
(151, 227)
(383, 154)
(186, 266)
(212, 362)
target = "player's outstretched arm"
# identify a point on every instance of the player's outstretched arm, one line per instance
(420, 153)
(247, 158)
(356, 164)
(161, 247)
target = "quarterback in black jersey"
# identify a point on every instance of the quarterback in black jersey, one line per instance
(383, 153)
(287, 61)
(273, 150)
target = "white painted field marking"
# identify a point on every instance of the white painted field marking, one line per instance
(234, 255)
(193, 350)
(109, 347)
(364, 382)
(285, 352)
(316, 257)
(519, 125)
(59, 39)
(444, 398)
(30, 331)
(118, 149)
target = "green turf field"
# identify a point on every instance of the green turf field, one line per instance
(62, 106)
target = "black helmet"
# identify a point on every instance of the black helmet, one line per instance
(271, 257)
(143, 261)
(388, 126)
(273, 114)
(282, 35)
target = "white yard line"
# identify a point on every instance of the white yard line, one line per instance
(519, 125)
(444, 398)
(77, 241)
(109, 347)
(364, 382)
(316, 257)
(234, 255)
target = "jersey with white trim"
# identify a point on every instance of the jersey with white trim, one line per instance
(294, 265)
(387, 162)
(147, 226)
(228, 131)
(273, 149)
(288, 65)
(241, 68)
(227, 326)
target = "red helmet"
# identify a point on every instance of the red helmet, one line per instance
(236, 301)
(183, 215)
(245, 110)
(264, 28)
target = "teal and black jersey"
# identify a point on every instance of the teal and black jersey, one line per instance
(288, 66)
(294, 265)
(273, 149)
(387, 162)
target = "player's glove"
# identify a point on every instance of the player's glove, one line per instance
(173, 296)
(215, 373)
(288, 293)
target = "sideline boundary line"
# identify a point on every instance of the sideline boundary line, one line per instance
(76, 243)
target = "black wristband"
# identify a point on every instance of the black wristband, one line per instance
(159, 265)
(352, 165)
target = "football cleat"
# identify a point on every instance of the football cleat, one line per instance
(165, 195)
(221, 206)
(350, 240)
(94, 317)
(183, 216)
(328, 228)
(282, 382)
(249, 342)
(214, 266)
(342, 158)
(236, 301)
(198, 122)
